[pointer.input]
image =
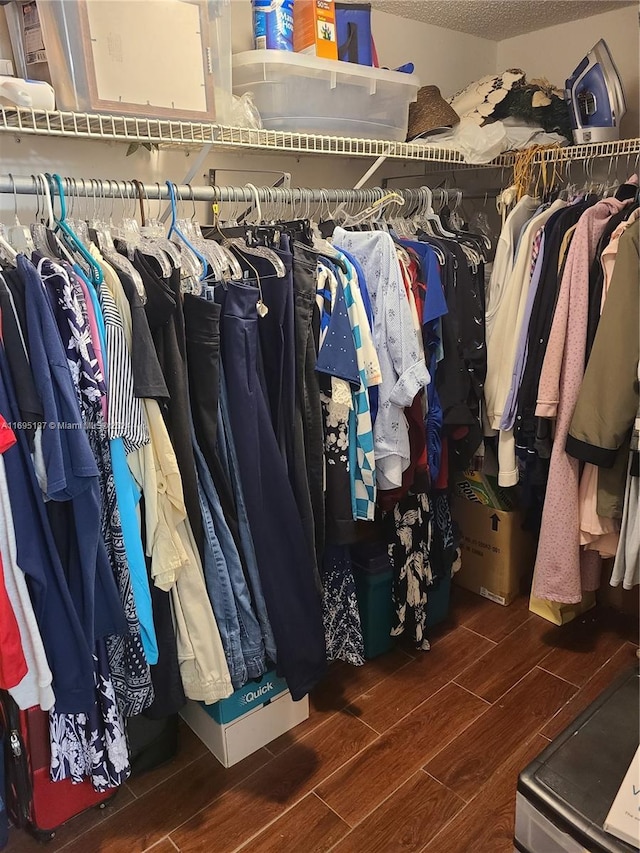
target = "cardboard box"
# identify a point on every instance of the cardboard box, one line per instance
(248, 720)
(497, 555)
(314, 28)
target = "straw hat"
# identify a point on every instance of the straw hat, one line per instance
(430, 112)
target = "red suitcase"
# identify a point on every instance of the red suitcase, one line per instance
(34, 802)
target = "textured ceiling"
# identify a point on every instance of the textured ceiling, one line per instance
(497, 19)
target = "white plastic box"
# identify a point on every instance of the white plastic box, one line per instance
(304, 94)
(249, 719)
(122, 56)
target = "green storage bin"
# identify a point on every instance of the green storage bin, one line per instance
(376, 608)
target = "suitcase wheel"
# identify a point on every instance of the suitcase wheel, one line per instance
(44, 836)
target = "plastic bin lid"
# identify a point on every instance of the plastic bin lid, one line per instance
(574, 781)
(300, 62)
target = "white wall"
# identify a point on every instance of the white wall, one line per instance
(445, 58)
(556, 51)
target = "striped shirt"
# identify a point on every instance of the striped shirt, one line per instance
(126, 417)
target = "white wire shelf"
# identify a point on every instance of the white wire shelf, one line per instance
(169, 133)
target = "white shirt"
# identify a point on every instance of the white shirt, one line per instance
(35, 688)
(404, 371)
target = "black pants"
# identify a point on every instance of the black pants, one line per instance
(277, 351)
(286, 569)
(166, 321)
(308, 435)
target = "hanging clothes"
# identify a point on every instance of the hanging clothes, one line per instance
(285, 566)
(562, 571)
(403, 372)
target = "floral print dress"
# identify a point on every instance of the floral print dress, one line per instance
(409, 538)
(92, 745)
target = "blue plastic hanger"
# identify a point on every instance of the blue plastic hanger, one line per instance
(173, 229)
(73, 239)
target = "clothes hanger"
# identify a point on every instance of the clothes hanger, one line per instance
(375, 207)
(153, 230)
(240, 245)
(7, 252)
(70, 235)
(18, 235)
(174, 231)
(46, 241)
(43, 238)
(432, 217)
(184, 226)
(104, 241)
(217, 258)
(236, 273)
(129, 233)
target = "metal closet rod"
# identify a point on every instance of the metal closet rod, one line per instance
(105, 188)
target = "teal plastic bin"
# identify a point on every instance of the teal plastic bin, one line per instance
(376, 608)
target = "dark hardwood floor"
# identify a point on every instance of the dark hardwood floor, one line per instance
(415, 751)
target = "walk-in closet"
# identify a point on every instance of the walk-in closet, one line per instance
(319, 422)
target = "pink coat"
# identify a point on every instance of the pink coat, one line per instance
(562, 569)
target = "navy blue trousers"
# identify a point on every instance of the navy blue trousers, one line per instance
(284, 562)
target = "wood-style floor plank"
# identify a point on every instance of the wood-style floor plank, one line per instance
(486, 824)
(362, 784)
(150, 818)
(343, 685)
(402, 824)
(164, 846)
(496, 622)
(310, 826)
(385, 704)
(190, 747)
(623, 660)
(583, 647)
(21, 842)
(472, 757)
(503, 666)
(247, 809)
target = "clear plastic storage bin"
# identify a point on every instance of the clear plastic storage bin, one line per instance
(304, 94)
(123, 57)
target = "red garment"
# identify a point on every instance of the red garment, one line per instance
(13, 666)
(7, 435)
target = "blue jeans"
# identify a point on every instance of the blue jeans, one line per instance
(239, 628)
(229, 459)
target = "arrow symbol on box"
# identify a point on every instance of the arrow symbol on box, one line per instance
(495, 521)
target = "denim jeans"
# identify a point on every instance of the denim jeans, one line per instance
(239, 629)
(229, 460)
(202, 334)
